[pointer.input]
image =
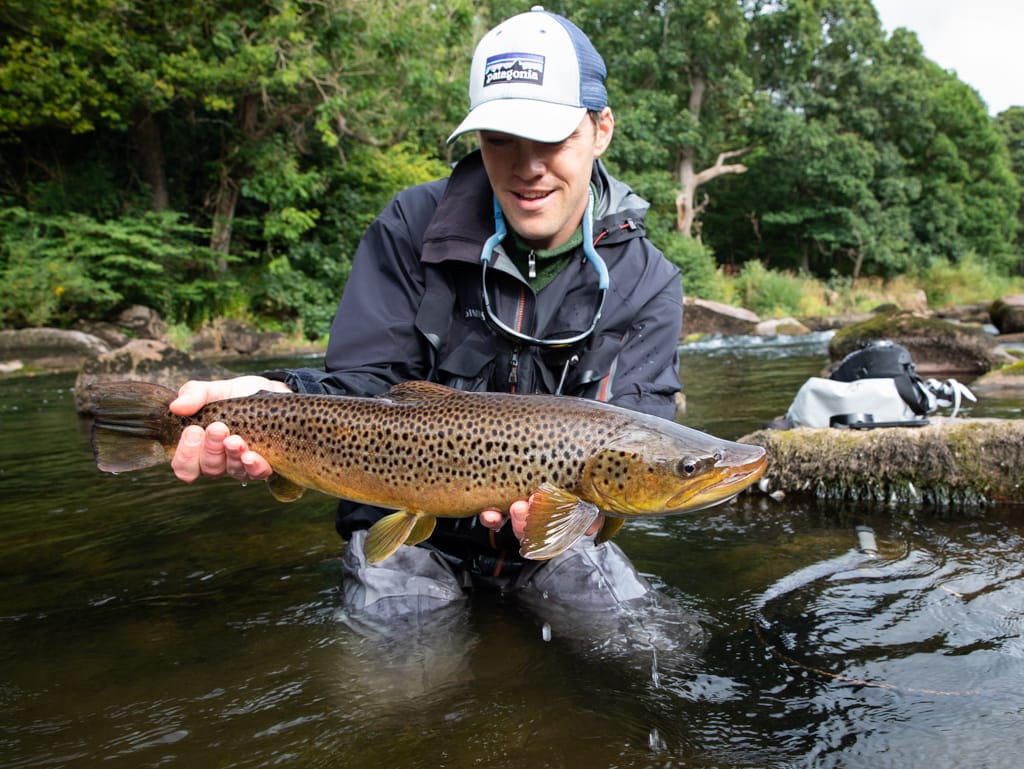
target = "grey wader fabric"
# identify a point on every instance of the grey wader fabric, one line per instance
(591, 597)
(587, 577)
(413, 580)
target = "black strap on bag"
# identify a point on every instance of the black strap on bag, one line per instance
(883, 359)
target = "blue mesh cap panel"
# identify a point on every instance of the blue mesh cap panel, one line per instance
(593, 94)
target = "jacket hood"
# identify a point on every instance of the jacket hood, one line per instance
(616, 199)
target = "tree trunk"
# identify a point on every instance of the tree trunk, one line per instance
(690, 179)
(685, 212)
(224, 203)
(225, 199)
(151, 158)
(686, 209)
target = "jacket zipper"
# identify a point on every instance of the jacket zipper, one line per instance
(513, 372)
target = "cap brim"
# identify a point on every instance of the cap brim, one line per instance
(538, 121)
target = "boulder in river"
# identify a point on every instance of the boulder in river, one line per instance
(938, 347)
(783, 326)
(946, 463)
(703, 316)
(1008, 314)
(48, 348)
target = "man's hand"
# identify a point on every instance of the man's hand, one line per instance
(518, 511)
(214, 451)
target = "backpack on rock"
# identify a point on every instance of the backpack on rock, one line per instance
(874, 386)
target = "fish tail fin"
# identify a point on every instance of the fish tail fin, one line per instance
(132, 428)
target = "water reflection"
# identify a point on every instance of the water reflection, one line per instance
(146, 623)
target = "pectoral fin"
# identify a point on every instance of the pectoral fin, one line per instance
(388, 534)
(556, 520)
(609, 528)
(283, 489)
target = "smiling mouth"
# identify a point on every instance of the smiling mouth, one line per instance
(530, 197)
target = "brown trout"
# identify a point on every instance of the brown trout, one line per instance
(428, 451)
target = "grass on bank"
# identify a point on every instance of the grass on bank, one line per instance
(773, 294)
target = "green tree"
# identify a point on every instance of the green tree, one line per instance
(242, 115)
(677, 80)
(876, 159)
(1011, 125)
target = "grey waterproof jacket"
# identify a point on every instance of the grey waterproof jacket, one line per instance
(412, 309)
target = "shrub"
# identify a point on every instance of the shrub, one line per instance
(55, 269)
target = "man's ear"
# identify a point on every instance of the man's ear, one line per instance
(605, 128)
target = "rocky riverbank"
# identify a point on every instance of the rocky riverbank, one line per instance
(138, 334)
(963, 342)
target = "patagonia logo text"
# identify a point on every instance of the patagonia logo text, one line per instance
(514, 68)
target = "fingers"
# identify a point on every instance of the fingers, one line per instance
(185, 461)
(214, 451)
(192, 396)
(195, 394)
(518, 511)
(493, 519)
(212, 457)
(243, 463)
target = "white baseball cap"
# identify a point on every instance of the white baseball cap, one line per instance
(535, 75)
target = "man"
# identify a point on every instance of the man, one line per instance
(527, 270)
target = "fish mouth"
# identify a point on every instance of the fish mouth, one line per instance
(721, 484)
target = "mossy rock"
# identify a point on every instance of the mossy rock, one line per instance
(936, 346)
(1008, 314)
(947, 463)
(1007, 381)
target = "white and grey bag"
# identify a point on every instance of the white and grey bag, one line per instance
(875, 386)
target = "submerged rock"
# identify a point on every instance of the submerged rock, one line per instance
(946, 463)
(48, 348)
(1007, 381)
(776, 326)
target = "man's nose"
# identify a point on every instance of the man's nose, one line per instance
(529, 161)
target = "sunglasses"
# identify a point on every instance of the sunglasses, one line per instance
(517, 338)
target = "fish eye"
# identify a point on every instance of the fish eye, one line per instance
(686, 466)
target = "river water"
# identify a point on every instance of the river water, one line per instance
(146, 623)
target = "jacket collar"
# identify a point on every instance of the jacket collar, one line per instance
(464, 217)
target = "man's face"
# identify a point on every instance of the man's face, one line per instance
(542, 188)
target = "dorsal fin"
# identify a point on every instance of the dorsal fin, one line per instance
(418, 391)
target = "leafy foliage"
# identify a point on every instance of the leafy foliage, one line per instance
(225, 157)
(58, 268)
